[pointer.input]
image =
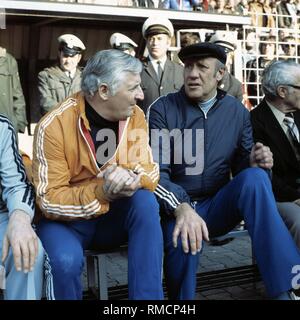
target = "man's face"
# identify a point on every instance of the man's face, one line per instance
(122, 104)
(130, 51)
(289, 49)
(292, 98)
(201, 78)
(158, 45)
(68, 63)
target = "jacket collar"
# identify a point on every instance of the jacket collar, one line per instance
(276, 133)
(81, 112)
(220, 95)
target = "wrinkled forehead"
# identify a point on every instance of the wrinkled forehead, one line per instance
(204, 60)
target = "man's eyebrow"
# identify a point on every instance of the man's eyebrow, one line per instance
(135, 85)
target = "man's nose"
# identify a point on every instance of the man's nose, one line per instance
(139, 94)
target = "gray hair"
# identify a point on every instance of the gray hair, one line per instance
(281, 72)
(108, 67)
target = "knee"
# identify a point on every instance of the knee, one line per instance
(66, 264)
(254, 178)
(145, 205)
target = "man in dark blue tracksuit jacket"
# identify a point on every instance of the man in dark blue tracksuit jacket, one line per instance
(202, 137)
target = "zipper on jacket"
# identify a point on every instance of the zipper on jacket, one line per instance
(91, 152)
(94, 159)
(205, 139)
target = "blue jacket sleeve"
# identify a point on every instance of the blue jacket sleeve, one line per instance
(242, 156)
(17, 192)
(168, 193)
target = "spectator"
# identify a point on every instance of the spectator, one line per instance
(229, 7)
(225, 7)
(121, 42)
(60, 81)
(271, 125)
(289, 47)
(22, 262)
(228, 83)
(241, 8)
(184, 5)
(256, 66)
(251, 47)
(12, 103)
(160, 76)
(94, 173)
(188, 38)
(260, 11)
(196, 195)
(219, 8)
(151, 3)
(284, 19)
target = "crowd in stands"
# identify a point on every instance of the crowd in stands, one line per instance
(235, 7)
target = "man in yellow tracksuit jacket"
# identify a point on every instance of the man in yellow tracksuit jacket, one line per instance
(94, 175)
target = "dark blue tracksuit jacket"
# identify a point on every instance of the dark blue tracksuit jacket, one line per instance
(221, 148)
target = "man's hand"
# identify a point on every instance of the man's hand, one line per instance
(23, 241)
(261, 156)
(191, 227)
(119, 182)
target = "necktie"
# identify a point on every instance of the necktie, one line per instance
(292, 128)
(159, 71)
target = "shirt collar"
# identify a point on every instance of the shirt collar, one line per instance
(279, 115)
(162, 61)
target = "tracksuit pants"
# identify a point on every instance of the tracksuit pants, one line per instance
(134, 219)
(20, 285)
(248, 197)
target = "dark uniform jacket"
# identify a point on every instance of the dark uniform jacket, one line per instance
(172, 80)
(55, 86)
(232, 86)
(12, 102)
(286, 169)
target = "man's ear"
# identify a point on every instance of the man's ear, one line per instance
(103, 91)
(281, 91)
(220, 74)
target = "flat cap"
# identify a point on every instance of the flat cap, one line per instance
(70, 44)
(121, 42)
(203, 50)
(157, 25)
(226, 39)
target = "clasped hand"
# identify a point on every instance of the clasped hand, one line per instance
(261, 156)
(119, 182)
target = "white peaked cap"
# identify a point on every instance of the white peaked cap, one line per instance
(156, 24)
(226, 39)
(71, 41)
(116, 39)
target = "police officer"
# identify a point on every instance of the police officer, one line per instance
(160, 75)
(12, 102)
(121, 42)
(60, 81)
(229, 83)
